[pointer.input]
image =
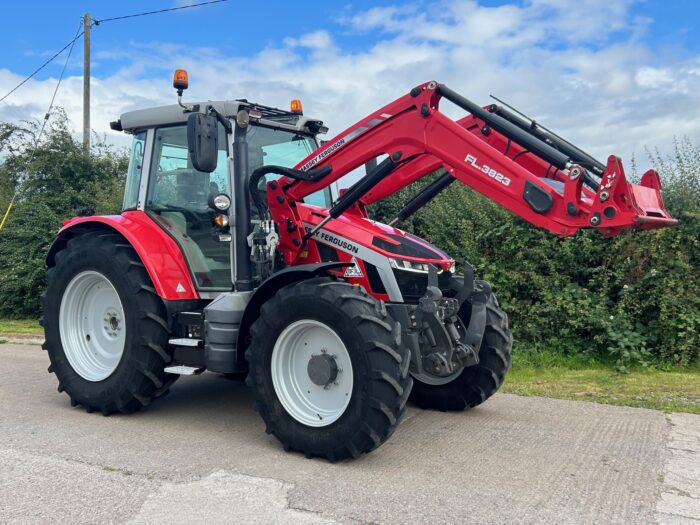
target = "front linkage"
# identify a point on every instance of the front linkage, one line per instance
(440, 342)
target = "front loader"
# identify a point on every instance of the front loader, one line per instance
(231, 256)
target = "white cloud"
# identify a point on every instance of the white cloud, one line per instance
(579, 67)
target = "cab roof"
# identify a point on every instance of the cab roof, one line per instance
(132, 121)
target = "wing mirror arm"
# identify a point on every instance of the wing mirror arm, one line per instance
(226, 123)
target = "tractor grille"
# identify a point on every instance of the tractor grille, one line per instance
(414, 284)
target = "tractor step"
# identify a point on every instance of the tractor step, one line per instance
(185, 341)
(183, 370)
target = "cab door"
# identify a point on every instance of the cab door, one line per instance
(177, 199)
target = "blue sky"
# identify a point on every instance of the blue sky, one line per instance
(616, 76)
(39, 29)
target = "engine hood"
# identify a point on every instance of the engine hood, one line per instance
(349, 232)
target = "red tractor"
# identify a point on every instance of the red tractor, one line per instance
(231, 256)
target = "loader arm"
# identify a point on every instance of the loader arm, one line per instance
(547, 183)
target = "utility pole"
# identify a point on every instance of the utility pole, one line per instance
(86, 81)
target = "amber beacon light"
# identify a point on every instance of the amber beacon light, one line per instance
(180, 80)
(295, 107)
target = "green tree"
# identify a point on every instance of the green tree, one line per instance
(635, 296)
(51, 181)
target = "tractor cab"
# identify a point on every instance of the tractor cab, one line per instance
(164, 182)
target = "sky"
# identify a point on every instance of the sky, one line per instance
(612, 76)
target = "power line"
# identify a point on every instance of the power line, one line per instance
(98, 22)
(42, 66)
(58, 85)
(43, 125)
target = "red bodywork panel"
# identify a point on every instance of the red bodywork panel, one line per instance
(159, 253)
(413, 128)
(354, 237)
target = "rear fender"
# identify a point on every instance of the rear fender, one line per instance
(159, 253)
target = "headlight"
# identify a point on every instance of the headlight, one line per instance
(411, 266)
(220, 202)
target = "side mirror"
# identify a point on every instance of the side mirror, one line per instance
(203, 141)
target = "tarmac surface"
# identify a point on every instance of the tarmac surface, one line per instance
(201, 455)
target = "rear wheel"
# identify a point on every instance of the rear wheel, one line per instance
(105, 327)
(329, 374)
(471, 386)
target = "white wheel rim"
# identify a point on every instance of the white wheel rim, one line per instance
(92, 326)
(310, 404)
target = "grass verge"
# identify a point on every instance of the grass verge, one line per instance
(20, 327)
(537, 373)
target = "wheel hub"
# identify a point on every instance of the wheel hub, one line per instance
(112, 323)
(322, 369)
(313, 385)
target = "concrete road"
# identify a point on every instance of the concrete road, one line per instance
(201, 455)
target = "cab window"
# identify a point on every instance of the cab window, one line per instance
(268, 146)
(133, 176)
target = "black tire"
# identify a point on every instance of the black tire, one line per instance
(380, 367)
(476, 383)
(139, 377)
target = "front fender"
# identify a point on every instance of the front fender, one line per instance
(159, 253)
(289, 275)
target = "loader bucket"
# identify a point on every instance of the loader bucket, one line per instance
(641, 205)
(647, 197)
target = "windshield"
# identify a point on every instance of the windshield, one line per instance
(279, 147)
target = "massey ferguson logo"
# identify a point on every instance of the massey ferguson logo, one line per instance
(498, 177)
(318, 158)
(340, 243)
(344, 140)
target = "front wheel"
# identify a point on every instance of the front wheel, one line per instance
(473, 385)
(329, 374)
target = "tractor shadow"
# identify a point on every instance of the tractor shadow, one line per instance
(197, 396)
(217, 406)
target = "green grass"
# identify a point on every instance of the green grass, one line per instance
(20, 327)
(536, 373)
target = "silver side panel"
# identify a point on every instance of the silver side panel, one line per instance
(352, 248)
(222, 322)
